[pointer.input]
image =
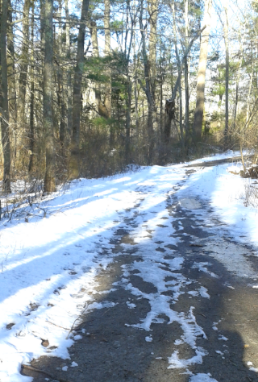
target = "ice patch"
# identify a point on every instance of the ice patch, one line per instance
(202, 378)
(176, 363)
(214, 325)
(190, 204)
(204, 292)
(130, 305)
(193, 293)
(255, 369)
(77, 337)
(222, 338)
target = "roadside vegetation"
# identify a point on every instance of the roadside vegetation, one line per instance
(88, 88)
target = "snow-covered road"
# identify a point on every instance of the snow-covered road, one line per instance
(50, 265)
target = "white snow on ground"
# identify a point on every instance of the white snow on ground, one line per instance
(204, 292)
(48, 265)
(239, 266)
(228, 194)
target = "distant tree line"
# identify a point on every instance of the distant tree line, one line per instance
(89, 87)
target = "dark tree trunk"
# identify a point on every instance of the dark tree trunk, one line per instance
(49, 183)
(32, 135)
(128, 123)
(11, 84)
(75, 143)
(69, 98)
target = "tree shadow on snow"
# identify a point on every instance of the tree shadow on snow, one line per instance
(111, 349)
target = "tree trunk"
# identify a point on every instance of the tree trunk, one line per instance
(108, 89)
(181, 115)
(108, 85)
(152, 114)
(75, 142)
(198, 114)
(11, 83)
(21, 117)
(95, 53)
(32, 135)
(60, 77)
(226, 138)
(128, 123)
(136, 93)
(186, 70)
(153, 13)
(237, 83)
(161, 104)
(4, 111)
(69, 98)
(49, 183)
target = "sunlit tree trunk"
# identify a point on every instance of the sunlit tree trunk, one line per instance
(23, 69)
(101, 109)
(136, 93)
(237, 82)
(49, 182)
(198, 114)
(4, 110)
(153, 13)
(186, 69)
(226, 138)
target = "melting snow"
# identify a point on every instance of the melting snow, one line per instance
(48, 266)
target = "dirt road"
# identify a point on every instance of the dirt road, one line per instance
(177, 306)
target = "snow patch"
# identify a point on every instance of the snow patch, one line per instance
(190, 204)
(202, 378)
(231, 256)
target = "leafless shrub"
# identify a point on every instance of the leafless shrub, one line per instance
(251, 194)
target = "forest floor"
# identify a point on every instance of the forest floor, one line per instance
(174, 297)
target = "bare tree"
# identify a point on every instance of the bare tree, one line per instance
(198, 114)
